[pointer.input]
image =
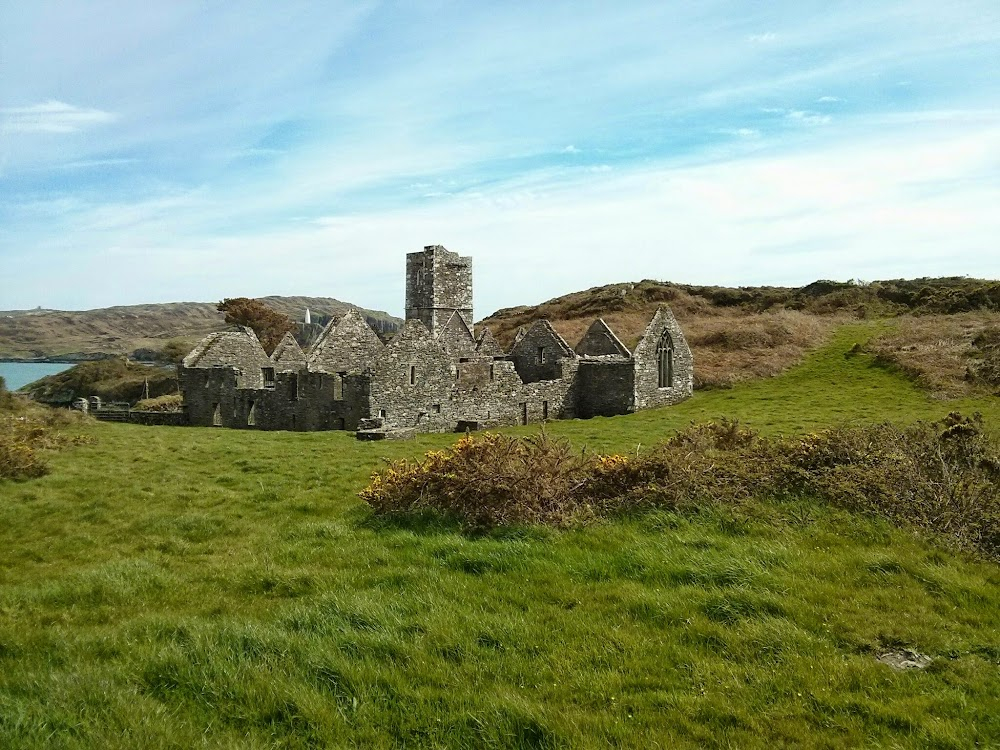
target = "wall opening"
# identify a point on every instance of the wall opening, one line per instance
(541, 355)
(252, 414)
(338, 423)
(413, 374)
(491, 372)
(436, 408)
(338, 387)
(216, 415)
(545, 409)
(665, 361)
(524, 413)
(294, 387)
(268, 375)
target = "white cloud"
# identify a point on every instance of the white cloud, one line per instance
(571, 149)
(768, 36)
(52, 117)
(829, 99)
(808, 118)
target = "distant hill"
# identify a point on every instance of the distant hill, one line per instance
(940, 336)
(114, 331)
(627, 307)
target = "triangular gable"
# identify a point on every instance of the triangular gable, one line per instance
(487, 345)
(234, 348)
(662, 320)
(541, 334)
(288, 355)
(347, 344)
(600, 340)
(456, 336)
(413, 334)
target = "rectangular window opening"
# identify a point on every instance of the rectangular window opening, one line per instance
(413, 374)
(268, 375)
(524, 413)
(295, 387)
(338, 386)
(436, 408)
(252, 415)
(541, 355)
(545, 409)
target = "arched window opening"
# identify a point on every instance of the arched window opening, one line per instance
(665, 361)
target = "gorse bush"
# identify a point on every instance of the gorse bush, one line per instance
(26, 431)
(943, 477)
(489, 480)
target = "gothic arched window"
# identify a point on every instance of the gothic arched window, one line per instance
(665, 361)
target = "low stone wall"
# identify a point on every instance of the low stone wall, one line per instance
(167, 418)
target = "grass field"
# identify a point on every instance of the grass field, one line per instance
(168, 587)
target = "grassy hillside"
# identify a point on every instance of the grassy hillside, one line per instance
(173, 587)
(123, 330)
(739, 334)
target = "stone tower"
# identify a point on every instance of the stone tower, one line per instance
(438, 284)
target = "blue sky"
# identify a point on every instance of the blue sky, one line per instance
(192, 151)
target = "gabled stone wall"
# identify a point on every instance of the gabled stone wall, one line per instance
(648, 393)
(348, 344)
(538, 354)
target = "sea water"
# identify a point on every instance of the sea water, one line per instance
(17, 374)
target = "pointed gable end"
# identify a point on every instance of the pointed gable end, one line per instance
(288, 355)
(487, 345)
(600, 340)
(456, 336)
(239, 348)
(347, 344)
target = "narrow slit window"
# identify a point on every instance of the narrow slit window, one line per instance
(413, 374)
(216, 415)
(524, 413)
(545, 409)
(338, 387)
(541, 354)
(252, 415)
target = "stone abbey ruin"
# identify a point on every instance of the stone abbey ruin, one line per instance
(434, 375)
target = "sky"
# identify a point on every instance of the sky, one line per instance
(190, 151)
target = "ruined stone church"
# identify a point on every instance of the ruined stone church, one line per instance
(433, 375)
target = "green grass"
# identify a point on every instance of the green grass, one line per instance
(170, 587)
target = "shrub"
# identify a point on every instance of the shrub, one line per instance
(488, 480)
(169, 402)
(943, 478)
(6, 397)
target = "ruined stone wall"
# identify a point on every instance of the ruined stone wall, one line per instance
(301, 401)
(204, 389)
(606, 387)
(538, 354)
(648, 394)
(412, 381)
(347, 345)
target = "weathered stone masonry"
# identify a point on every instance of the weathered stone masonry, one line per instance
(433, 375)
